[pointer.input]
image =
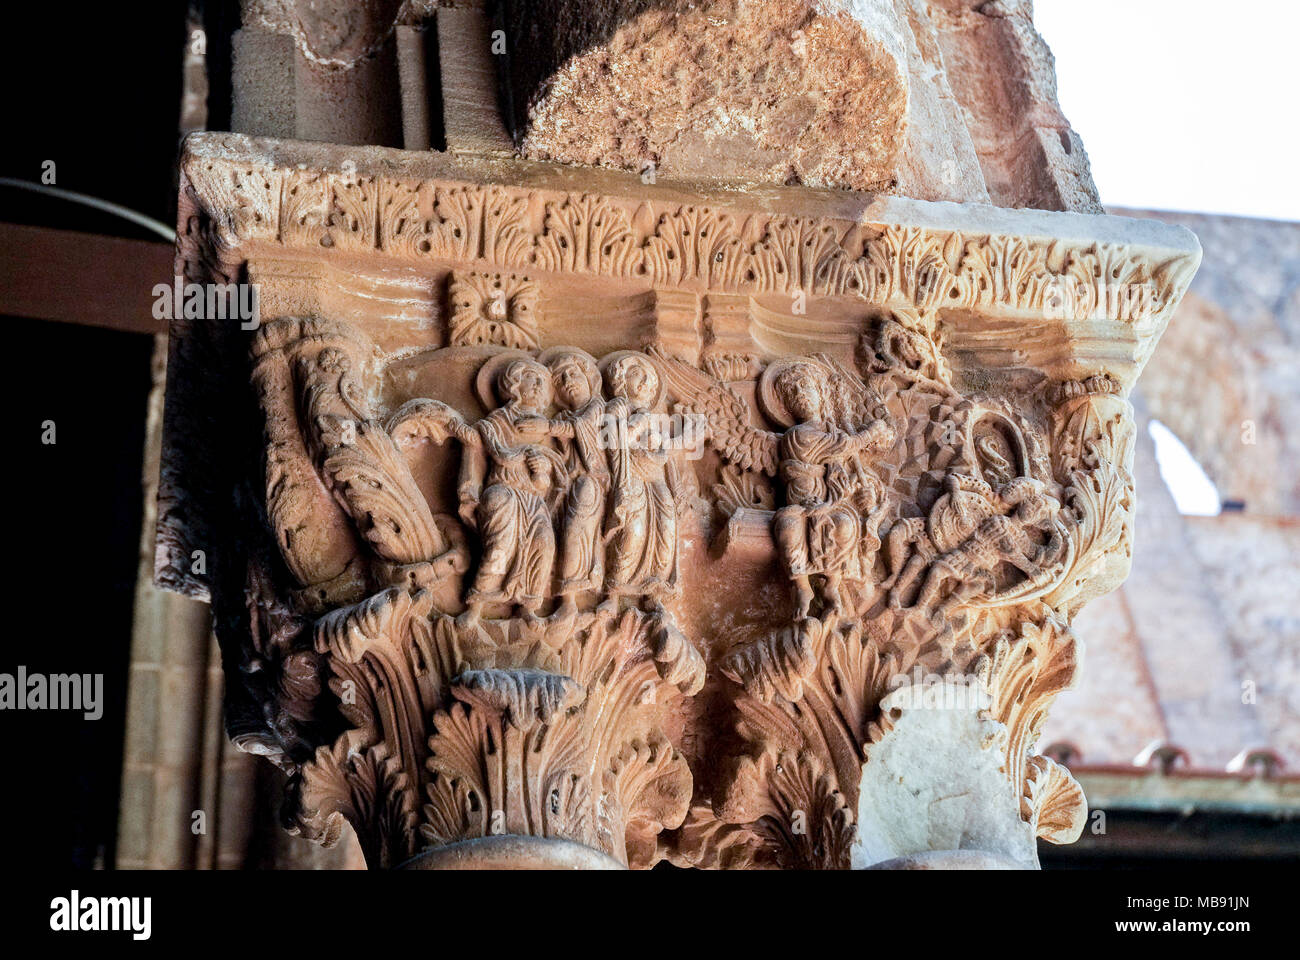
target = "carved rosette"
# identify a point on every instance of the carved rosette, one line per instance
(659, 536)
(493, 308)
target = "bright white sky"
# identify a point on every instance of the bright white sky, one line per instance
(1183, 104)
(1193, 491)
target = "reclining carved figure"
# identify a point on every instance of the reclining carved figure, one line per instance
(971, 568)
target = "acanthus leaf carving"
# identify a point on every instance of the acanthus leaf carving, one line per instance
(1053, 802)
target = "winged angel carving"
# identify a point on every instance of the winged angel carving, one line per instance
(826, 529)
(967, 505)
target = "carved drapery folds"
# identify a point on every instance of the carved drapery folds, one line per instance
(545, 563)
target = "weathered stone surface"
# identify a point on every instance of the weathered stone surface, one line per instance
(1001, 72)
(333, 33)
(470, 93)
(786, 91)
(937, 101)
(938, 161)
(935, 779)
(318, 70)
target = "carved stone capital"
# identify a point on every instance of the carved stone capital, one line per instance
(640, 522)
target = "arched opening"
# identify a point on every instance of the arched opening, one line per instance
(1194, 492)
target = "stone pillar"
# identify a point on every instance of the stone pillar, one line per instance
(319, 70)
(509, 567)
(166, 773)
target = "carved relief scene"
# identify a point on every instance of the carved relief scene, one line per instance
(651, 435)
(646, 518)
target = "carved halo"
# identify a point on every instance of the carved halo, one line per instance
(551, 355)
(769, 398)
(485, 383)
(607, 361)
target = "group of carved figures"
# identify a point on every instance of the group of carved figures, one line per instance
(569, 481)
(590, 479)
(971, 531)
(829, 529)
(493, 695)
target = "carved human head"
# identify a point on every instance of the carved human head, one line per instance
(634, 378)
(525, 383)
(573, 379)
(1030, 498)
(800, 389)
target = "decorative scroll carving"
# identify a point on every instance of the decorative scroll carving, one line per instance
(307, 373)
(496, 587)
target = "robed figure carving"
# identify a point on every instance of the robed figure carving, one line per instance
(577, 385)
(642, 526)
(509, 485)
(828, 528)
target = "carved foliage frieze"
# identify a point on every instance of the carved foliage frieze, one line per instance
(666, 243)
